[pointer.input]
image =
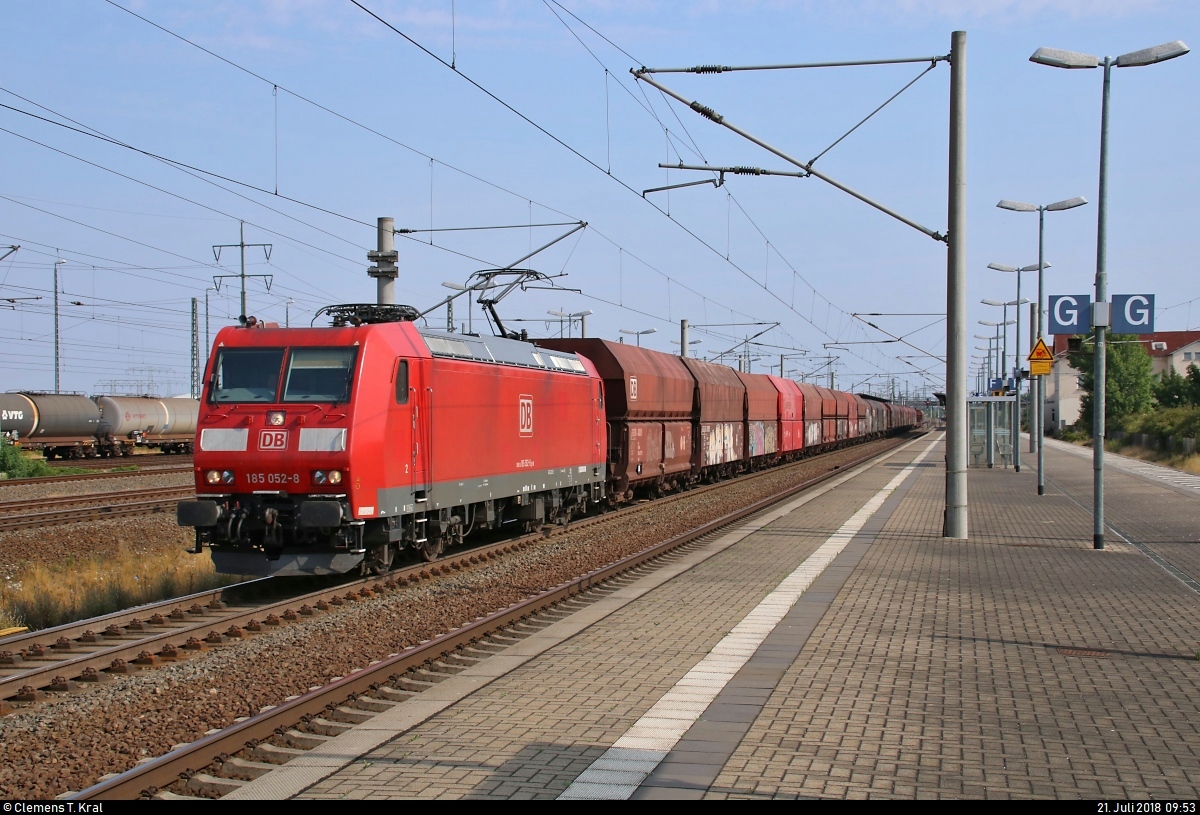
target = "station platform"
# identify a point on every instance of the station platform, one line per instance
(839, 647)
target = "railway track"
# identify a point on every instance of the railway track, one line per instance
(153, 460)
(53, 479)
(73, 508)
(35, 658)
(130, 639)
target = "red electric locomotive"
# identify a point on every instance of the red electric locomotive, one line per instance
(322, 450)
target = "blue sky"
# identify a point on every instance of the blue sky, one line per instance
(567, 134)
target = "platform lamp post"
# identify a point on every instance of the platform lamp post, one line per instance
(470, 307)
(991, 352)
(1057, 206)
(1056, 58)
(570, 318)
(1002, 355)
(1016, 431)
(639, 334)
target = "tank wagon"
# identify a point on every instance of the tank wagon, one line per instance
(139, 421)
(76, 426)
(326, 450)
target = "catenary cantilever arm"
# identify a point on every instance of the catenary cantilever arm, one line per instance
(709, 113)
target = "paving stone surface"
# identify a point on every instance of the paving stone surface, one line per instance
(571, 705)
(1018, 664)
(939, 673)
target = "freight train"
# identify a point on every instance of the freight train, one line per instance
(326, 450)
(76, 426)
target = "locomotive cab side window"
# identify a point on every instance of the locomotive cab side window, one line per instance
(401, 382)
(246, 375)
(319, 375)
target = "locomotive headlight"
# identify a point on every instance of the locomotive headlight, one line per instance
(227, 476)
(275, 418)
(335, 476)
(318, 477)
(213, 476)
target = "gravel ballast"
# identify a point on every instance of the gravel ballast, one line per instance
(67, 743)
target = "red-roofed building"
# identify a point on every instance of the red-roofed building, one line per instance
(1175, 349)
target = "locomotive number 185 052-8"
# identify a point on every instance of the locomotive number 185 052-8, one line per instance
(273, 478)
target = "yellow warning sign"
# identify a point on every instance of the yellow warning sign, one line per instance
(1040, 353)
(1038, 367)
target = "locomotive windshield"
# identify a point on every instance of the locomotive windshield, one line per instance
(247, 375)
(319, 375)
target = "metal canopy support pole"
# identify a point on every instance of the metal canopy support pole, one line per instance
(1041, 439)
(1098, 396)
(1015, 436)
(1035, 329)
(955, 523)
(683, 338)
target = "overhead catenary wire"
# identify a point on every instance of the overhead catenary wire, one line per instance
(671, 281)
(699, 153)
(276, 85)
(575, 152)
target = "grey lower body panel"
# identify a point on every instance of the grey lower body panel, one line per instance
(288, 565)
(402, 501)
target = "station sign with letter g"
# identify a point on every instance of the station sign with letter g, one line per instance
(1133, 314)
(1070, 314)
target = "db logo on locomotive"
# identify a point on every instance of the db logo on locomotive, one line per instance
(272, 440)
(526, 415)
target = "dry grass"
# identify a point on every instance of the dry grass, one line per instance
(1185, 462)
(41, 595)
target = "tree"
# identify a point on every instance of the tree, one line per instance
(1129, 381)
(1193, 384)
(1172, 389)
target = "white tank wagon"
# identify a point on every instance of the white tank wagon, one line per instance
(142, 421)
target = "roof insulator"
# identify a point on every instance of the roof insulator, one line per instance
(707, 112)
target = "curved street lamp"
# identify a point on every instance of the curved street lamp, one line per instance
(639, 334)
(1057, 58)
(570, 318)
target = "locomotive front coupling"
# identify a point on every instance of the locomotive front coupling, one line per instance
(252, 522)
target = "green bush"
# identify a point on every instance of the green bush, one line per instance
(14, 464)
(1072, 435)
(1180, 422)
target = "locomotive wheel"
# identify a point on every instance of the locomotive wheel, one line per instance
(380, 560)
(431, 549)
